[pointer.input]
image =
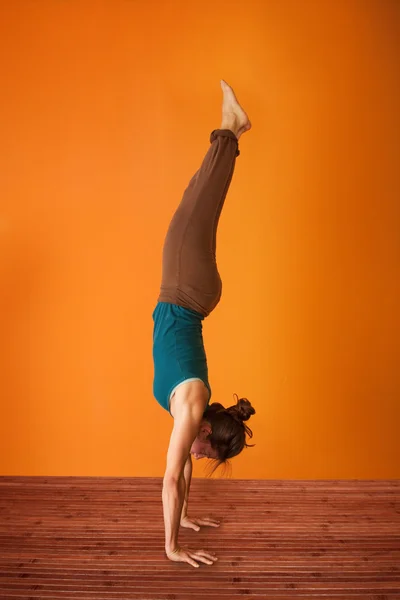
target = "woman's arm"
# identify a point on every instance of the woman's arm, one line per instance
(187, 473)
(172, 497)
(186, 426)
(193, 522)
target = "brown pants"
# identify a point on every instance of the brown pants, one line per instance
(190, 276)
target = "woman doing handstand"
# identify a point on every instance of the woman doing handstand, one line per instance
(190, 289)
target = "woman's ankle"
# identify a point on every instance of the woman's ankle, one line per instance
(231, 126)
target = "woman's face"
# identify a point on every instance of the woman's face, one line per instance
(201, 447)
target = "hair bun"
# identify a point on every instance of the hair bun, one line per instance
(243, 409)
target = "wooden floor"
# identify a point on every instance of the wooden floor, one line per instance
(103, 538)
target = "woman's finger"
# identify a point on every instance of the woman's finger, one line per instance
(204, 556)
(207, 521)
(203, 559)
(187, 556)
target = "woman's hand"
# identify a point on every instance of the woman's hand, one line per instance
(190, 556)
(194, 522)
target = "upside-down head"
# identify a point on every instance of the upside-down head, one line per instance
(222, 432)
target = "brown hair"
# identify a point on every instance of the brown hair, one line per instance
(228, 434)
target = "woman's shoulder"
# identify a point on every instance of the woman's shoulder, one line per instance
(190, 393)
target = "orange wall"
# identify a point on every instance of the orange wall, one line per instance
(106, 110)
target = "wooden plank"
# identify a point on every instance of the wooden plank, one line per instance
(103, 538)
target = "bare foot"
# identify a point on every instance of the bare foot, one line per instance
(233, 115)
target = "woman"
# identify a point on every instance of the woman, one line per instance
(190, 290)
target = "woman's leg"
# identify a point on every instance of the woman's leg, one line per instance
(190, 276)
